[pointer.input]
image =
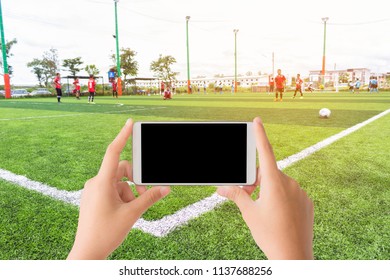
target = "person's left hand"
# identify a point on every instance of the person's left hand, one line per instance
(108, 208)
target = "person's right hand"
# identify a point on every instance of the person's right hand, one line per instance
(281, 219)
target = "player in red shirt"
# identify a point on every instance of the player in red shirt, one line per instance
(298, 86)
(162, 87)
(57, 83)
(91, 89)
(114, 88)
(76, 84)
(271, 85)
(167, 94)
(280, 81)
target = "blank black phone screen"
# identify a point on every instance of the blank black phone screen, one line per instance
(193, 153)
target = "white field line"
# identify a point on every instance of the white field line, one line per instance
(65, 196)
(316, 147)
(79, 114)
(168, 223)
(42, 117)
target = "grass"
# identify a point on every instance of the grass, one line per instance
(63, 147)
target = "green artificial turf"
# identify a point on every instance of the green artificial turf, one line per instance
(62, 145)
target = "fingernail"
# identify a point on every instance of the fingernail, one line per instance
(258, 120)
(222, 191)
(128, 121)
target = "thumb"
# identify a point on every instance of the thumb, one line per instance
(147, 199)
(239, 196)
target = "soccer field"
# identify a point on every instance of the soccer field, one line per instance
(60, 146)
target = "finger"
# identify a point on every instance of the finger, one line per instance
(141, 189)
(125, 170)
(111, 158)
(125, 192)
(239, 196)
(146, 200)
(251, 188)
(264, 148)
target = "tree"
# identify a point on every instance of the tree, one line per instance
(92, 69)
(8, 46)
(162, 68)
(387, 79)
(129, 67)
(344, 77)
(46, 68)
(37, 69)
(73, 65)
(249, 73)
(50, 64)
(293, 81)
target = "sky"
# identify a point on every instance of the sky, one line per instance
(357, 34)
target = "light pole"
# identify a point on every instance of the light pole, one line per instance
(188, 58)
(118, 58)
(324, 20)
(7, 87)
(235, 59)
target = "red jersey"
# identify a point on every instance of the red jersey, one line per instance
(114, 86)
(271, 82)
(162, 86)
(298, 83)
(57, 82)
(91, 85)
(279, 80)
(76, 84)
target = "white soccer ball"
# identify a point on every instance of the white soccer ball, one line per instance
(324, 113)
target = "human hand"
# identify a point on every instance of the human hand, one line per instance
(281, 219)
(108, 208)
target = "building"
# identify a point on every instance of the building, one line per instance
(243, 81)
(336, 77)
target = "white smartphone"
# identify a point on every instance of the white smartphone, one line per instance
(194, 153)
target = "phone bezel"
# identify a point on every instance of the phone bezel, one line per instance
(251, 155)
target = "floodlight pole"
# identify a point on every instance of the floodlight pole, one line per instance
(325, 19)
(188, 58)
(235, 60)
(7, 87)
(118, 58)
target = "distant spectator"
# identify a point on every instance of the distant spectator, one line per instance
(351, 86)
(310, 88)
(173, 88)
(357, 86)
(162, 87)
(373, 84)
(271, 85)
